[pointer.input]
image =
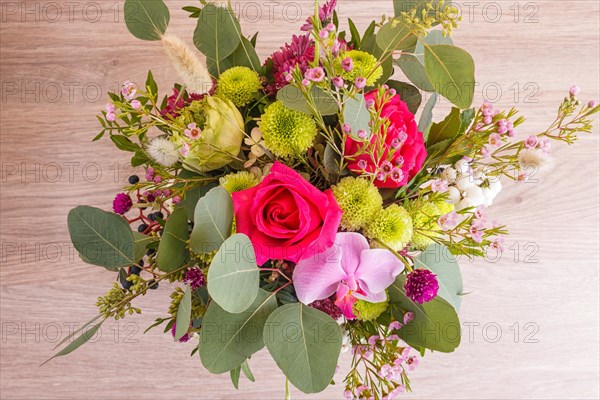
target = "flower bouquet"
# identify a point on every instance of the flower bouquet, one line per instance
(298, 204)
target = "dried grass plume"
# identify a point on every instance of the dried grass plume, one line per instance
(191, 69)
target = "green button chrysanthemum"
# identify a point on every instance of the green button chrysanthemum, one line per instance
(239, 181)
(366, 311)
(425, 219)
(287, 132)
(359, 200)
(363, 65)
(239, 84)
(393, 226)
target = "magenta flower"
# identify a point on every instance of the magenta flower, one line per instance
(184, 338)
(195, 278)
(122, 203)
(325, 15)
(300, 52)
(421, 285)
(350, 269)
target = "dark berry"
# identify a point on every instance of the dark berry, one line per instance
(152, 217)
(124, 282)
(142, 228)
(141, 263)
(133, 179)
(152, 284)
(134, 270)
(158, 215)
(150, 252)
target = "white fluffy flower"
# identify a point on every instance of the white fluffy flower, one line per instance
(491, 191)
(163, 151)
(449, 175)
(533, 160)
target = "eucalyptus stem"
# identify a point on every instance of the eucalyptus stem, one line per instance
(287, 389)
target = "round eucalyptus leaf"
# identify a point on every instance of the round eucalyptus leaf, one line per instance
(146, 20)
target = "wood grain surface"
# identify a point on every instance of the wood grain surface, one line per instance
(530, 324)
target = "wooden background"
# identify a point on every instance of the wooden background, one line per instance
(57, 58)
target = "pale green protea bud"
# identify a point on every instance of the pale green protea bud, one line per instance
(214, 136)
(392, 226)
(287, 132)
(239, 84)
(359, 200)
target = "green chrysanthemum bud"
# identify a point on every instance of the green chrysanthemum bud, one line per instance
(366, 311)
(286, 131)
(239, 84)
(239, 181)
(363, 65)
(425, 218)
(359, 200)
(392, 226)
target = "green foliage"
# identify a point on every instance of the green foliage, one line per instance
(146, 20)
(427, 115)
(319, 101)
(227, 339)
(451, 70)
(213, 218)
(172, 250)
(395, 35)
(435, 325)
(356, 114)
(217, 34)
(408, 93)
(102, 238)
(184, 313)
(305, 343)
(233, 275)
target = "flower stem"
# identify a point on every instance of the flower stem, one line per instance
(287, 389)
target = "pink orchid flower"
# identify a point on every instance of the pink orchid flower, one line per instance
(350, 269)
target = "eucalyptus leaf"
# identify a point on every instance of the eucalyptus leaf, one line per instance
(448, 128)
(101, 238)
(435, 325)
(245, 55)
(81, 340)
(213, 218)
(227, 339)
(451, 70)
(433, 37)
(233, 275)
(172, 250)
(146, 20)
(427, 115)
(216, 34)
(192, 195)
(184, 312)
(356, 114)
(395, 35)
(415, 72)
(292, 97)
(408, 93)
(369, 44)
(246, 370)
(140, 242)
(305, 343)
(438, 259)
(235, 376)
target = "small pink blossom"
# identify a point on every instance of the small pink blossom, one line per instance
(448, 221)
(111, 116)
(336, 46)
(394, 325)
(136, 105)
(412, 363)
(392, 92)
(380, 176)
(185, 149)
(498, 244)
(397, 174)
(480, 214)
(487, 120)
(338, 81)
(476, 233)
(495, 140)
(176, 199)
(289, 77)
(193, 132)
(360, 82)
(330, 27)
(531, 142)
(545, 145)
(346, 128)
(485, 151)
(324, 33)
(129, 90)
(592, 103)
(373, 340)
(157, 179)
(439, 185)
(399, 161)
(110, 108)
(362, 134)
(386, 167)
(305, 82)
(362, 164)
(315, 74)
(522, 177)
(574, 90)
(347, 64)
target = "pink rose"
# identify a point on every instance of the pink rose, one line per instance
(403, 146)
(286, 217)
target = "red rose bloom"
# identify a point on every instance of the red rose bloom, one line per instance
(286, 217)
(402, 152)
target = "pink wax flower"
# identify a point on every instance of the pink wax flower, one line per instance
(315, 74)
(129, 90)
(350, 269)
(421, 285)
(347, 64)
(439, 185)
(338, 81)
(325, 15)
(110, 112)
(136, 105)
(448, 221)
(531, 142)
(286, 217)
(360, 82)
(193, 132)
